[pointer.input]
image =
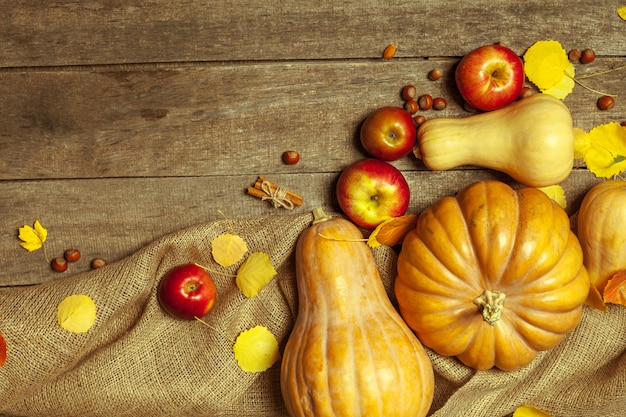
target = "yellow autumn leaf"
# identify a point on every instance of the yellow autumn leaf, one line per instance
(565, 86)
(606, 155)
(621, 11)
(391, 231)
(32, 237)
(256, 349)
(228, 249)
(545, 63)
(529, 411)
(556, 193)
(254, 274)
(581, 143)
(76, 313)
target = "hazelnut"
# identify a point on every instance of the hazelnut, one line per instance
(435, 74)
(574, 55)
(98, 263)
(587, 56)
(409, 92)
(411, 106)
(291, 157)
(419, 119)
(72, 255)
(59, 264)
(606, 103)
(439, 103)
(425, 102)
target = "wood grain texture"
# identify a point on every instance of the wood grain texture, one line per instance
(75, 32)
(200, 121)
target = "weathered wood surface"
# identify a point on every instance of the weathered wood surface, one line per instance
(125, 121)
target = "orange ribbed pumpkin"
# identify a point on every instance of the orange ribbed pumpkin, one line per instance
(492, 276)
(349, 354)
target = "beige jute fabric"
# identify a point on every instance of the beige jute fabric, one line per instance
(137, 361)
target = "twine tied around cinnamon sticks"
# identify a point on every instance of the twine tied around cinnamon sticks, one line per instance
(279, 196)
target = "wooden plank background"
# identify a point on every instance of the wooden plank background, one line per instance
(122, 121)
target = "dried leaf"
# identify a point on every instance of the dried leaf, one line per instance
(594, 299)
(228, 249)
(392, 231)
(621, 11)
(529, 411)
(256, 349)
(32, 237)
(606, 154)
(545, 64)
(615, 290)
(3, 350)
(76, 313)
(254, 274)
(556, 193)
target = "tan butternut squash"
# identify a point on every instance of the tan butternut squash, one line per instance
(349, 354)
(531, 140)
(602, 234)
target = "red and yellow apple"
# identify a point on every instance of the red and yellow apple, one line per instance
(490, 77)
(187, 292)
(371, 191)
(388, 133)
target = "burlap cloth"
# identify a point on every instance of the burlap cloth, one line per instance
(137, 361)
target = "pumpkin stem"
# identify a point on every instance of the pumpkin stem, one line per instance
(319, 215)
(490, 304)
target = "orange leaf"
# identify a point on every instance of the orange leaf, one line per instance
(392, 231)
(615, 290)
(594, 299)
(3, 350)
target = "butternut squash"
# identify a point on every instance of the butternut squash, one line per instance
(531, 140)
(349, 354)
(602, 233)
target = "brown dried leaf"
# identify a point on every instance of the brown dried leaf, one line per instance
(392, 231)
(615, 290)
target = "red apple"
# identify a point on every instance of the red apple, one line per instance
(187, 292)
(388, 133)
(370, 191)
(490, 77)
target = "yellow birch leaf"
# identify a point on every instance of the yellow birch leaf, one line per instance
(256, 349)
(76, 313)
(606, 155)
(3, 350)
(254, 274)
(529, 411)
(564, 86)
(32, 237)
(556, 193)
(621, 11)
(392, 231)
(545, 62)
(228, 249)
(581, 143)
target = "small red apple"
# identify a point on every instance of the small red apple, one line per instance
(187, 292)
(388, 133)
(370, 191)
(490, 77)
